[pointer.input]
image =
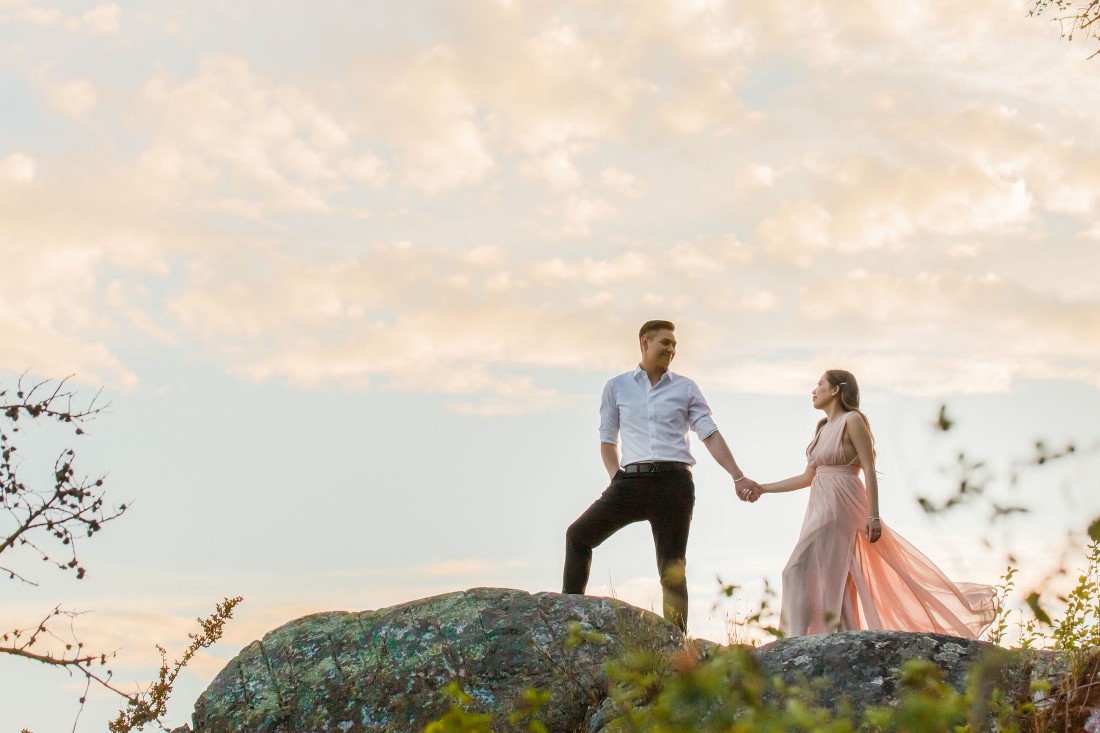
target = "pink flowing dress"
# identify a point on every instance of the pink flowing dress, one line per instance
(838, 580)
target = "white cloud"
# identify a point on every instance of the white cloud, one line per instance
(100, 19)
(555, 168)
(18, 167)
(702, 104)
(13, 11)
(620, 182)
(798, 231)
(756, 176)
(48, 313)
(368, 169)
(837, 157)
(103, 18)
(707, 256)
(575, 216)
(75, 98)
(627, 266)
(429, 114)
(1092, 232)
(229, 131)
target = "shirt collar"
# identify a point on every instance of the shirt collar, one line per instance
(638, 370)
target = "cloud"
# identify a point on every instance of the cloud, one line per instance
(555, 168)
(18, 168)
(575, 216)
(367, 168)
(629, 266)
(100, 19)
(231, 134)
(397, 319)
(47, 313)
(75, 98)
(432, 118)
(976, 333)
(410, 318)
(727, 166)
(23, 11)
(620, 182)
(799, 230)
(755, 176)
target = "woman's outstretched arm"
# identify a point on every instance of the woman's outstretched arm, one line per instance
(793, 483)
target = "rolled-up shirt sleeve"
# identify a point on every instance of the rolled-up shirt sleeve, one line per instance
(699, 415)
(609, 415)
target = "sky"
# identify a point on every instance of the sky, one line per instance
(351, 277)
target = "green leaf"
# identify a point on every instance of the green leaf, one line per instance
(1094, 530)
(1041, 615)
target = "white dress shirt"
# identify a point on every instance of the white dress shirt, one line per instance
(653, 419)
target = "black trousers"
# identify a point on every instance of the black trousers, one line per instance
(665, 499)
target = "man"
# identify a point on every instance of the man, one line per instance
(653, 409)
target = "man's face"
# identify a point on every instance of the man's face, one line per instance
(658, 348)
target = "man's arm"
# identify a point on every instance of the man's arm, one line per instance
(609, 429)
(610, 455)
(747, 489)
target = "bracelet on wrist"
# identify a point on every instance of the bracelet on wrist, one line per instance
(739, 479)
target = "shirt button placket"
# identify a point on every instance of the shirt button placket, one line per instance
(652, 423)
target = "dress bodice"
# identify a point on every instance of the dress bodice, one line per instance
(827, 447)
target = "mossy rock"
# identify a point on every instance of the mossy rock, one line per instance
(387, 670)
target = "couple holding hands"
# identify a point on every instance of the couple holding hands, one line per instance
(847, 571)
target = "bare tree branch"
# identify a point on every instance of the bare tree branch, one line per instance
(1072, 16)
(73, 507)
(45, 520)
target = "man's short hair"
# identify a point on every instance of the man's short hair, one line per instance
(650, 326)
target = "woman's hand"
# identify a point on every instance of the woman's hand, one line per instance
(746, 489)
(874, 528)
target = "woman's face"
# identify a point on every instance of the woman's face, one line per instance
(823, 393)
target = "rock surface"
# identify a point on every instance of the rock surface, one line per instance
(387, 670)
(862, 667)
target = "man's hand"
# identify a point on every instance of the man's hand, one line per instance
(747, 489)
(609, 454)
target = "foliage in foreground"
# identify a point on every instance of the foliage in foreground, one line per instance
(44, 521)
(728, 693)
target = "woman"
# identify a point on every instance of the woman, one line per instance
(849, 570)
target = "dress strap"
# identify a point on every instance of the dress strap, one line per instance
(855, 459)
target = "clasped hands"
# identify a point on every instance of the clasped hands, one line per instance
(747, 489)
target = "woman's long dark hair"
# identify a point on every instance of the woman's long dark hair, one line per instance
(849, 399)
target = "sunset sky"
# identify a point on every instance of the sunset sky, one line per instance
(352, 275)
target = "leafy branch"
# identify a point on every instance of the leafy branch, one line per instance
(45, 520)
(152, 704)
(71, 507)
(1072, 16)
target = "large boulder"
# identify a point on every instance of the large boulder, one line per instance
(387, 670)
(863, 668)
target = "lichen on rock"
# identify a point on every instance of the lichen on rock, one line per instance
(386, 670)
